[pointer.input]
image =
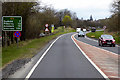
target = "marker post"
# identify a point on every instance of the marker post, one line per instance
(17, 42)
(17, 34)
(104, 29)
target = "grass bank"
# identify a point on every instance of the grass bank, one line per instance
(29, 48)
(97, 34)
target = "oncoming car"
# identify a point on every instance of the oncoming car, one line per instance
(106, 40)
(81, 34)
(93, 29)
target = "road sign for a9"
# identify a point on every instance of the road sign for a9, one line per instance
(12, 23)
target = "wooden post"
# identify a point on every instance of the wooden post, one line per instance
(17, 42)
(5, 39)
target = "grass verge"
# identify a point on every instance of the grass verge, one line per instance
(95, 35)
(29, 48)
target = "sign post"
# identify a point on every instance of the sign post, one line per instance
(104, 29)
(17, 34)
(46, 30)
(12, 23)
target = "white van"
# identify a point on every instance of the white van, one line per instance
(78, 30)
(84, 30)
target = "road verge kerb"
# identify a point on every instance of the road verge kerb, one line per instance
(103, 74)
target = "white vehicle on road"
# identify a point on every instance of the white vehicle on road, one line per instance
(81, 34)
(84, 30)
(78, 30)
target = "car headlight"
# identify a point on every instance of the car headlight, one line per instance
(104, 40)
(113, 40)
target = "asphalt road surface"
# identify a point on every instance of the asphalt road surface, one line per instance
(94, 43)
(64, 60)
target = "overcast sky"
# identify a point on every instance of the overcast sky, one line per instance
(99, 9)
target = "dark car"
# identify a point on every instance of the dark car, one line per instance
(106, 40)
(93, 29)
(81, 34)
(88, 29)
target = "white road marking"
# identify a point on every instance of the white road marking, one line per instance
(110, 71)
(104, 67)
(91, 61)
(91, 39)
(114, 77)
(34, 67)
(99, 48)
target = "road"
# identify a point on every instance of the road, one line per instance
(95, 43)
(65, 60)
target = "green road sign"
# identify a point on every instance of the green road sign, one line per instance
(12, 23)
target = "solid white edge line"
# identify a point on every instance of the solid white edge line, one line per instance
(91, 61)
(34, 67)
(91, 39)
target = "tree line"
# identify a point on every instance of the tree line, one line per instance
(34, 18)
(113, 22)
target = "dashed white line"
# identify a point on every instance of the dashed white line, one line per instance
(114, 76)
(110, 71)
(91, 39)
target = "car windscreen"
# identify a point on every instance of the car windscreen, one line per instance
(81, 32)
(107, 37)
